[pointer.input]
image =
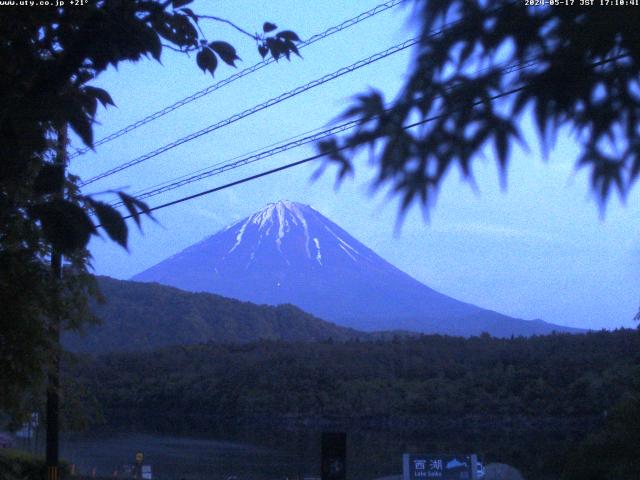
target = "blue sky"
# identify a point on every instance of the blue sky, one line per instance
(540, 249)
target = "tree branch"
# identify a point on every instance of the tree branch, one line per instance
(228, 22)
(179, 50)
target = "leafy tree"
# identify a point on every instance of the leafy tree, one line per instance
(570, 66)
(48, 59)
(610, 453)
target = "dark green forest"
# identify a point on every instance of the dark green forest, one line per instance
(556, 375)
(550, 397)
(138, 316)
(143, 316)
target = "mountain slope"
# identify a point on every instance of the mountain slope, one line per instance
(290, 253)
(140, 317)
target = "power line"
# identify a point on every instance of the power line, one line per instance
(345, 147)
(208, 168)
(271, 150)
(257, 108)
(306, 160)
(247, 160)
(273, 101)
(242, 73)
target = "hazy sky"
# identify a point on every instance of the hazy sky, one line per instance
(537, 250)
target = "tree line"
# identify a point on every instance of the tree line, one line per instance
(555, 375)
(556, 404)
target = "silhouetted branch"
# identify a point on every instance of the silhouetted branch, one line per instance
(180, 50)
(229, 22)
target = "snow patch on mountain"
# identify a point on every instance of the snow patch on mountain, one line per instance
(239, 237)
(318, 252)
(300, 216)
(348, 253)
(344, 245)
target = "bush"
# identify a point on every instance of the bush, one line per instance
(19, 465)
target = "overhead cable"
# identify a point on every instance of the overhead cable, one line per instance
(345, 147)
(273, 101)
(236, 76)
(304, 160)
(257, 108)
(246, 160)
(272, 150)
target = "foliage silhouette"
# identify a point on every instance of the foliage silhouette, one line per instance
(574, 66)
(48, 59)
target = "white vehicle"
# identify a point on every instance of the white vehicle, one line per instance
(479, 470)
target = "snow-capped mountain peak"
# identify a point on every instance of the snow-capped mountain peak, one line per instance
(290, 253)
(304, 230)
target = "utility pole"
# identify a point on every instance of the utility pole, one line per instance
(53, 374)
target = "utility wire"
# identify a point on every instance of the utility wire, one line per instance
(247, 160)
(273, 101)
(345, 147)
(271, 150)
(257, 108)
(236, 76)
(299, 136)
(305, 160)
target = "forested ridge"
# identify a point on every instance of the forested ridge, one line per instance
(555, 375)
(557, 406)
(142, 316)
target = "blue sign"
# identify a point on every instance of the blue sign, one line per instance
(440, 467)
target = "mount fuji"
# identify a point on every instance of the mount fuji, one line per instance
(290, 253)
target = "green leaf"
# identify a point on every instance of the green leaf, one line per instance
(274, 47)
(65, 225)
(268, 27)
(81, 124)
(466, 52)
(334, 154)
(185, 32)
(288, 35)
(151, 40)
(135, 207)
(292, 47)
(111, 220)
(101, 95)
(207, 60)
(225, 51)
(502, 147)
(263, 50)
